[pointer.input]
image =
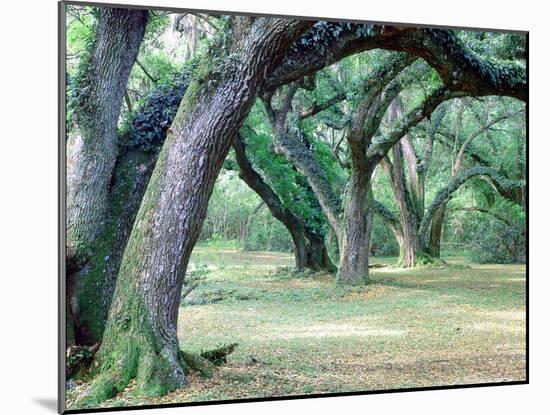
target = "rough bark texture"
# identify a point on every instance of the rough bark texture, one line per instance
(92, 152)
(354, 248)
(377, 95)
(92, 149)
(459, 69)
(140, 339)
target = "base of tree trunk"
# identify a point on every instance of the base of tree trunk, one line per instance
(114, 379)
(156, 373)
(421, 259)
(352, 279)
(317, 255)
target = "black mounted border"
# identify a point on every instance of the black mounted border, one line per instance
(62, 211)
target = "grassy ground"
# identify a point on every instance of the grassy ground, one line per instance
(300, 334)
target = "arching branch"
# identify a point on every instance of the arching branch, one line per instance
(474, 135)
(387, 216)
(445, 194)
(379, 149)
(287, 142)
(459, 69)
(481, 210)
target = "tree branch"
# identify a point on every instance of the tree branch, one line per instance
(378, 150)
(475, 134)
(459, 69)
(151, 77)
(445, 193)
(316, 108)
(482, 210)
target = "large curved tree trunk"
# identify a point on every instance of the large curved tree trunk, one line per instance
(140, 339)
(92, 148)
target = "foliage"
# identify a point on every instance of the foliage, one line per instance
(238, 216)
(495, 235)
(147, 126)
(383, 242)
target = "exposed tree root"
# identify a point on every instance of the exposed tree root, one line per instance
(218, 356)
(79, 359)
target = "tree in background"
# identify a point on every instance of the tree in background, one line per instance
(408, 171)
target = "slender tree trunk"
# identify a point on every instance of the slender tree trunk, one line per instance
(436, 231)
(140, 339)
(408, 191)
(409, 243)
(300, 248)
(92, 146)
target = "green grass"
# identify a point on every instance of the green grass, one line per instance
(461, 324)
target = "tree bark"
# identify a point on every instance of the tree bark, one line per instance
(140, 339)
(92, 149)
(436, 232)
(354, 258)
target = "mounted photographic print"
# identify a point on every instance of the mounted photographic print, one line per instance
(260, 207)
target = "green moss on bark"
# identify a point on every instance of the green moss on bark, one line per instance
(97, 279)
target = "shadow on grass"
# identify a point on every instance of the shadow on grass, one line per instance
(477, 286)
